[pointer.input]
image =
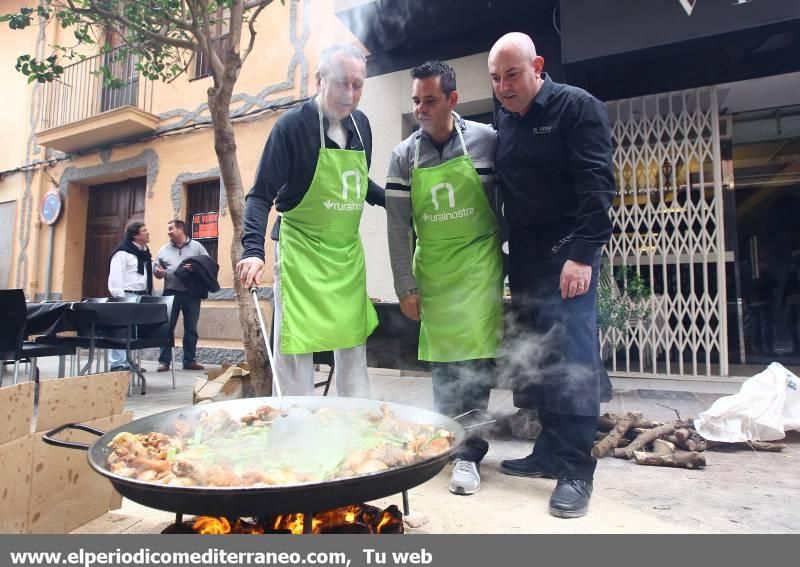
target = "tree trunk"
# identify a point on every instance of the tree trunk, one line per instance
(219, 102)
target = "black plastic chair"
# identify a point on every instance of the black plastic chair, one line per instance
(125, 299)
(12, 331)
(85, 334)
(13, 312)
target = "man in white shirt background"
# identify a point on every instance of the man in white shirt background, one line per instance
(130, 273)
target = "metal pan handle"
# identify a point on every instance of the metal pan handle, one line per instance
(480, 424)
(473, 425)
(48, 437)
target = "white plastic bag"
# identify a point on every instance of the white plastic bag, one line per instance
(767, 405)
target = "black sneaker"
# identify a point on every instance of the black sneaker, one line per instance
(570, 499)
(525, 467)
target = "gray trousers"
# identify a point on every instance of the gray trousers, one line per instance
(296, 371)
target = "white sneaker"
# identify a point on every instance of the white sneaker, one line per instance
(465, 479)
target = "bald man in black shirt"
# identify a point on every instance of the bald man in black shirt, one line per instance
(554, 166)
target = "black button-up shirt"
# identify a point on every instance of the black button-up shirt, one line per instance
(555, 169)
(287, 168)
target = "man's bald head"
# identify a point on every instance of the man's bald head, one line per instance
(516, 71)
(518, 43)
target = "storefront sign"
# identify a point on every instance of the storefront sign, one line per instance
(205, 225)
(591, 29)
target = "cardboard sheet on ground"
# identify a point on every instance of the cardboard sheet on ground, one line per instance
(16, 409)
(66, 492)
(45, 489)
(16, 452)
(81, 399)
(15, 484)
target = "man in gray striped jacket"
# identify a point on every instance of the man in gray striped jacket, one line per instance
(445, 252)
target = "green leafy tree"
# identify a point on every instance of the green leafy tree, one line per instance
(622, 298)
(163, 36)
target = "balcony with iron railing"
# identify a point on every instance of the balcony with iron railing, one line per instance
(96, 101)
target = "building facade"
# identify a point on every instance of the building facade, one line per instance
(141, 152)
(704, 97)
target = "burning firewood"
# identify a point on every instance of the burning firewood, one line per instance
(603, 447)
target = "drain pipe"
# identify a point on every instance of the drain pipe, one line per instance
(51, 230)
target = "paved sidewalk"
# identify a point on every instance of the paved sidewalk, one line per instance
(738, 492)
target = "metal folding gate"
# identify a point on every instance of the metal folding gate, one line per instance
(668, 227)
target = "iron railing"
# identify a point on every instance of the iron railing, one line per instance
(83, 90)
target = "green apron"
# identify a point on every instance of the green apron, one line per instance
(457, 263)
(323, 277)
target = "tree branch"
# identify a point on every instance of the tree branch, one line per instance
(235, 31)
(180, 24)
(250, 4)
(251, 26)
(203, 40)
(185, 67)
(96, 10)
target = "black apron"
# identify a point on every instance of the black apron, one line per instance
(556, 341)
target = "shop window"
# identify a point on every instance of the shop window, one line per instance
(201, 209)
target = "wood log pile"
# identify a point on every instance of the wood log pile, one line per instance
(672, 444)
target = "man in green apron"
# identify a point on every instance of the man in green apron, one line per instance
(314, 169)
(439, 186)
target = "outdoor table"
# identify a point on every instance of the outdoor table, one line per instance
(46, 318)
(52, 318)
(127, 316)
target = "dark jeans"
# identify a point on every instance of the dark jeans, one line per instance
(552, 345)
(556, 348)
(190, 307)
(564, 447)
(459, 387)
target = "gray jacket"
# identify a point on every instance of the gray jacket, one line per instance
(480, 140)
(170, 256)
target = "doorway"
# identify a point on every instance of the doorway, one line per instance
(767, 192)
(111, 207)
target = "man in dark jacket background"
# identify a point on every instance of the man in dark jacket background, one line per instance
(179, 248)
(199, 275)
